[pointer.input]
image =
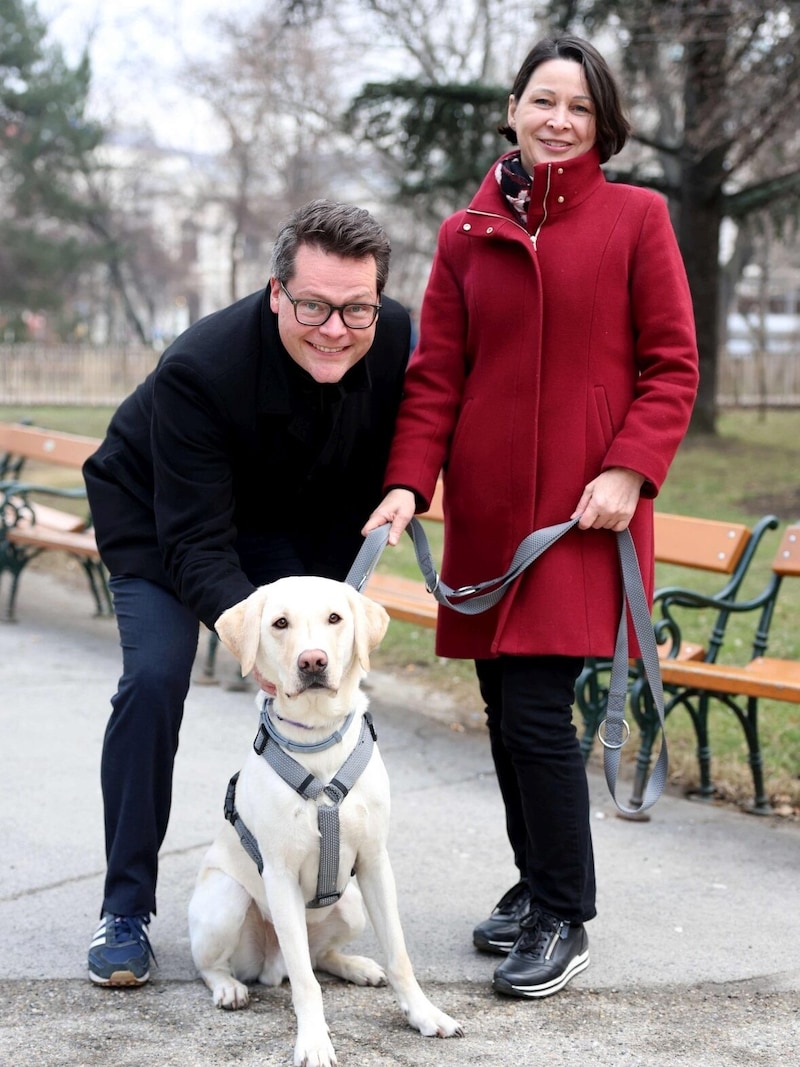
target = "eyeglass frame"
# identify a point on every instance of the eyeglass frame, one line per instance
(294, 301)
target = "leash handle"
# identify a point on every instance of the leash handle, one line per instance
(614, 730)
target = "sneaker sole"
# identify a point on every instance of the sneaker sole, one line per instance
(119, 979)
(497, 948)
(546, 989)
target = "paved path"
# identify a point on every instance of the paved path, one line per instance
(695, 951)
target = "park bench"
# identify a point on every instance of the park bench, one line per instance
(29, 527)
(708, 545)
(696, 685)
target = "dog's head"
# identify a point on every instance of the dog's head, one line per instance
(304, 633)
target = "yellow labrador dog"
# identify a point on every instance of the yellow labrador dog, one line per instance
(309, 639)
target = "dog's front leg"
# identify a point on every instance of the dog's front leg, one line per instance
(313, 1047)
(376, 880)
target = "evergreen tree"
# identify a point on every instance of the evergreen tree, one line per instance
(48, 206)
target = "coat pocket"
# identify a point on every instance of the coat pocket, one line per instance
(603, 429)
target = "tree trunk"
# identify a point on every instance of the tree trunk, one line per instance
(702, 174)
(698, 235)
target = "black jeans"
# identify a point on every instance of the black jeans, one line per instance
(542, 777)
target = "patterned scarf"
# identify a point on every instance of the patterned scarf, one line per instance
(515, 185)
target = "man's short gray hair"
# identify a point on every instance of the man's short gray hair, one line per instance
(340, 229)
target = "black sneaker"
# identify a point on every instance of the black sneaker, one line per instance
(547, 955)
(499, 933)
(120, 952)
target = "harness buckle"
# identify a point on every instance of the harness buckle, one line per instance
(261, 740)
(324, 902)
(371, 726)
(465, 590)
(230, 799)
(336, 790)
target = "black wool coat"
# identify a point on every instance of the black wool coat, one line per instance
(229, 466)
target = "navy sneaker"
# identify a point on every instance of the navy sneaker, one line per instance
(548, 954)
(120, 952)
(499, 933)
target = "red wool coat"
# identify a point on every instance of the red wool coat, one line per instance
(546, 357)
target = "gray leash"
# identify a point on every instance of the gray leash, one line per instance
(614, 730)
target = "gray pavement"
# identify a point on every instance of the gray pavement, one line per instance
(695, 951)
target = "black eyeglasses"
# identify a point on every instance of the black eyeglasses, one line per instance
(316, 312)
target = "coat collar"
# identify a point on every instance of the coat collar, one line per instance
(556, 189)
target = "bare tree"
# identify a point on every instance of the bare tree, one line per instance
(715, 91)
(270, 88)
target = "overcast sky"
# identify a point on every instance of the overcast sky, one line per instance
(136, 48)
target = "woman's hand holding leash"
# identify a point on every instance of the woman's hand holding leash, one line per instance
(609, 500)
(397, 507)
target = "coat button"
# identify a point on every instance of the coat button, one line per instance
(561, 200)
(560, 170)
(467, 226)
(490, 229)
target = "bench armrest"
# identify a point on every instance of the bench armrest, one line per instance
(16, 506)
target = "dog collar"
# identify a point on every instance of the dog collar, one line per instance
(268, 725)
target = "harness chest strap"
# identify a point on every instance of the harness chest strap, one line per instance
(308, 787)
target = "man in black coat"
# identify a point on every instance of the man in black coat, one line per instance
(255, 450)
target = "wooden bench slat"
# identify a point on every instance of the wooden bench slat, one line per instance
(53, 519)
(768, 679)
(703, 544)
(81, 543)
(787, 558)
(33, 442)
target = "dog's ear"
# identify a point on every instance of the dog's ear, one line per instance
(239, 628)
(371, 623)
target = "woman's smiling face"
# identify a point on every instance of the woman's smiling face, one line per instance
(554, 118)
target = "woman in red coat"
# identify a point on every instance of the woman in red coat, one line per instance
(554, 378)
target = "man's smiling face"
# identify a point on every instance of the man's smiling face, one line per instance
(328, 351)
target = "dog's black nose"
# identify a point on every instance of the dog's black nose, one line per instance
(312, 661)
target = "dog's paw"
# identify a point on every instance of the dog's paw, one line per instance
(434, 1023)
(230, 994)
(317, 1052)
(360, 970)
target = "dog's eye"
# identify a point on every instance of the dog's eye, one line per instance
(281, 623)
(333, 618)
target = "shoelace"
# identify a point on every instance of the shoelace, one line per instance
(132, 928)
(538, 931)
(515, 901)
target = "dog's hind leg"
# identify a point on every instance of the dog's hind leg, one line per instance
(342, 923)
(273, 967)
(223, 937)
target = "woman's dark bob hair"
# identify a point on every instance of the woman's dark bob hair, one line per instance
(613, 128)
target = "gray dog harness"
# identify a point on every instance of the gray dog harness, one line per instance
(270, 745)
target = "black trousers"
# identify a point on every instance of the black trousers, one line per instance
(542, 777)
(158, 636)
